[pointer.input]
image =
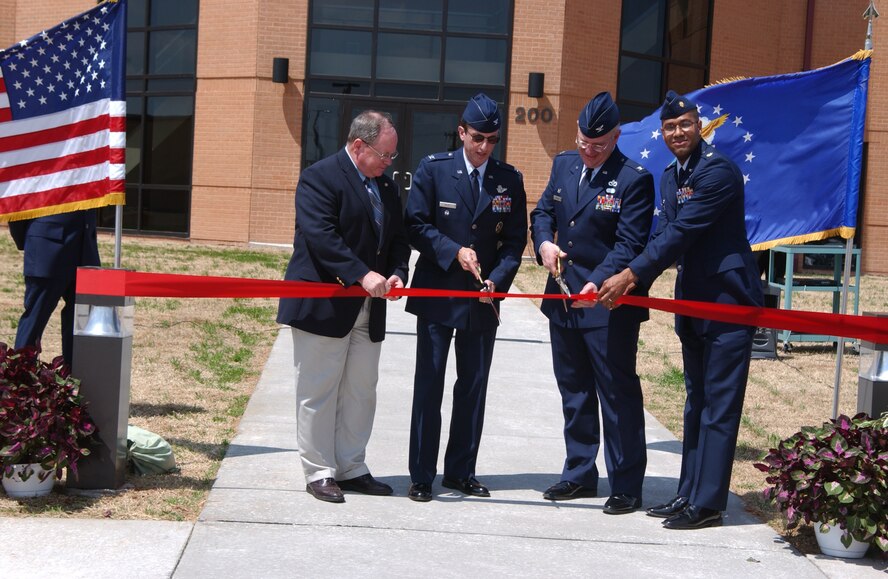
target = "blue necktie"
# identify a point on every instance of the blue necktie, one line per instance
(585, 184)
(376, 202)
(476, 187)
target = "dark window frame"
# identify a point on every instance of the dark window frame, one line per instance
(371, 83)
(136, 188)
(665, 61)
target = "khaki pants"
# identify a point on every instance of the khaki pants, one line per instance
(336, 399)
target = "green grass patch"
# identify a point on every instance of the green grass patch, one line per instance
(238, 406)
(671, 378)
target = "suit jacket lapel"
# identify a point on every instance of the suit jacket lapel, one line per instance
(353, 178)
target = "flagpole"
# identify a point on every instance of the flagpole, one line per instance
(869, 14)
(840, 344)
(118, 233)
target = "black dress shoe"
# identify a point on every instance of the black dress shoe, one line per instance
(325, 489)
(621, 504)
(694, 517)
(669, 509)
(365, 484)
(467, 486)
(566, 490)
(420, 492)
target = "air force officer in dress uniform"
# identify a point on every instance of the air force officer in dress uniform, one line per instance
(55, 246)
(466, 216)
(600, 205)
(701, 228)
(349, 230)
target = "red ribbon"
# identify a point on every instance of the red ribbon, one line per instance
(117, 282)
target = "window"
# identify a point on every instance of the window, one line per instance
(664, 45)
(429, 56)
(421, 49)
(161, 60)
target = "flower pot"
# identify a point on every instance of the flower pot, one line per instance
(15, 487)
(830, 543)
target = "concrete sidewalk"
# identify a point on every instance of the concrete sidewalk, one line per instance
(260, 522)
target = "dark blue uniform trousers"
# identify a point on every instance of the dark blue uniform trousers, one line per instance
(716, 365)
(42, 295)
(598, 365)
(474, 352)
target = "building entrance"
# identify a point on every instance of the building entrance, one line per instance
(422, 130)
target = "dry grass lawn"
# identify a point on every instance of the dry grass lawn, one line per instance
(196, 362)
(195, 365)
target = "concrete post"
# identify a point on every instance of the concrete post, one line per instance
(103, 352)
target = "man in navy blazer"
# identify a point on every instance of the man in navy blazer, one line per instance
(55, 246)
(349, 230)
(600, 206)
(466, 216)
(702, 229)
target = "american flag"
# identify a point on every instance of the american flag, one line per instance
(63, 116)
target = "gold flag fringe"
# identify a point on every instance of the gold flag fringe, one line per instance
(116, 198)
(843, 232)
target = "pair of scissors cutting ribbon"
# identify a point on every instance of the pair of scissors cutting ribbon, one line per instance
(486, 288)
(559, 279)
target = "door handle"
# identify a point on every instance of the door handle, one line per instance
(395, 176)
(409, 183)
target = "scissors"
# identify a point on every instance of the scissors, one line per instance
(559, 279)
(486, 288)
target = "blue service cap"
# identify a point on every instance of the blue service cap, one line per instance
(675, 105)
(599, 116)
(482, 114)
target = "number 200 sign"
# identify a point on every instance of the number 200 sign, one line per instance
(532, 115)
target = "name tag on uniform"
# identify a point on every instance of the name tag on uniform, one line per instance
(684, 195)
(557, 198)
(502, 204)
(446, 205)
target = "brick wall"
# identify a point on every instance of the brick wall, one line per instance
(278, 134)
(875, 196)
(7, 25)
(577, 66)
(32, 17)
(247, 129)
(757, 38)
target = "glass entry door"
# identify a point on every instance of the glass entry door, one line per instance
(422, 130)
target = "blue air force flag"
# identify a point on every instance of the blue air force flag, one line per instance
(798, 140)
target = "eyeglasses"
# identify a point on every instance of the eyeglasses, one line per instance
(669, 128)
(585, 146)
(478, 137)
(382, 156)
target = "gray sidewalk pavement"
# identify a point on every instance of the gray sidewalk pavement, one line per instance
(260, 522)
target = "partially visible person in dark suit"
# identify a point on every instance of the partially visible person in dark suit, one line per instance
(349, 230)
(54, 246)
(702, 229)
(593, 219)
(466, 216)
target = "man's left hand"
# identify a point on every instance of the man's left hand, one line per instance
(394, 283)
(615, 287)
(490, 287)
(589, 288)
